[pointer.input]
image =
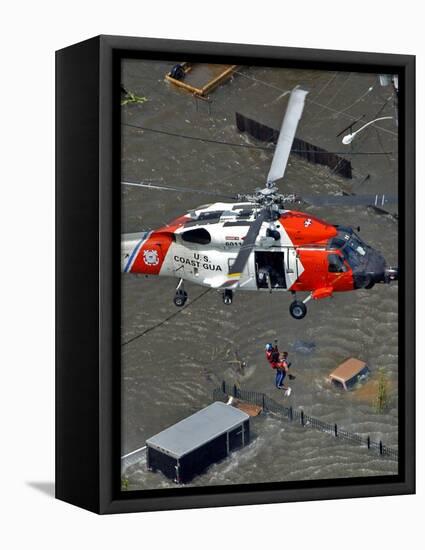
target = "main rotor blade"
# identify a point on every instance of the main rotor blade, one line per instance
(149, 185)
(287, 134)
(377, 200)
(249, 243)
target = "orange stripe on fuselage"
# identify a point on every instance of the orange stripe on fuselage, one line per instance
(152, 254)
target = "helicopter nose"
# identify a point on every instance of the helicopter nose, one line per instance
(373, 269)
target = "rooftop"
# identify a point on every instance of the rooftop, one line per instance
(348, 369)
(197, 429)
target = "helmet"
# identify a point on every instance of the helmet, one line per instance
(269, 347)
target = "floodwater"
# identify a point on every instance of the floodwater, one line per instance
(170, 371)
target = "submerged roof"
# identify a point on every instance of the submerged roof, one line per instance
(196, 430)
(348, 369)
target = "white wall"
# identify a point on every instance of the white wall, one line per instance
(30, 32)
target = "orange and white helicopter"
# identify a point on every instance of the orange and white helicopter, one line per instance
(256, 243)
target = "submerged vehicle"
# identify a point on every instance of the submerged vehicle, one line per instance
(349, 373)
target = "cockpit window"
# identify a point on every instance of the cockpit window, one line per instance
(350, 240)
(336, 264)
(337, 242)
(350, 244)
(355, 243)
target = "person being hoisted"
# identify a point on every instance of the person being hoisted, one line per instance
(279, 363)
(282, 368)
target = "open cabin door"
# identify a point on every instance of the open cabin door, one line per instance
(270, 270)
(293, 266)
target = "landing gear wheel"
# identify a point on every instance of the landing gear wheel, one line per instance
(227, 297)
(298, 310)
(180, 298)
(368, 282)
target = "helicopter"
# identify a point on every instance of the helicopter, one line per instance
(257, 242)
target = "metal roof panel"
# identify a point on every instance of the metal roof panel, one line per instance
(197, 429)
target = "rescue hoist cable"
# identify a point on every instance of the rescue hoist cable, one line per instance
(157, 325)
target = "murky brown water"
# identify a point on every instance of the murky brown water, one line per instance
(171, 371)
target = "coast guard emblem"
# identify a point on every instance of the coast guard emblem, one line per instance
(150, 257)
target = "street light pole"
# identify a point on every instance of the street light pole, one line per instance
(346, 140)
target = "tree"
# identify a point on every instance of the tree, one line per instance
(382, 398)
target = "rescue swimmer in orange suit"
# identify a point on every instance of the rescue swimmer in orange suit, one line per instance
(271, 352)
(278, 362)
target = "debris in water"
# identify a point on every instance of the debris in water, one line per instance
(128, 97)
(301, 346)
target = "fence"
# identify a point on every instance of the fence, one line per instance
(303, 149)
(132, 458)
(305, 420)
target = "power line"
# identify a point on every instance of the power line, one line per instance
(166, 319)
(262, 82)
(308, 100)
(358, 99)
(242, 145)
(327, 84)
(332, 98)
(194, 138)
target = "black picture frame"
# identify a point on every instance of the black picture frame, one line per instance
(88, 276)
